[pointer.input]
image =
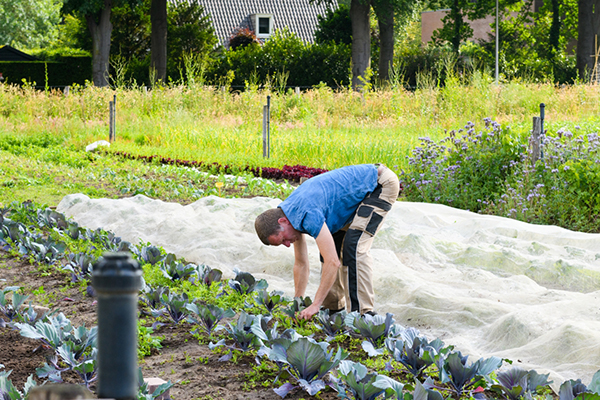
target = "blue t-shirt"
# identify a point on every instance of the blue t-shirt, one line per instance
(330, 198)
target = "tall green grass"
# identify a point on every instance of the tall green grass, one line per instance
(318, 128)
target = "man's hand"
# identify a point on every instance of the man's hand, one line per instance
(309, 311)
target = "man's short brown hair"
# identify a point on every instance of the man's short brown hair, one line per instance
(267, 224)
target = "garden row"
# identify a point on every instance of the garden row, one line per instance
(290, 173)
(374, 357)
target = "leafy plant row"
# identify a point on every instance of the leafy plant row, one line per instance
(181, 292)
(287, 172)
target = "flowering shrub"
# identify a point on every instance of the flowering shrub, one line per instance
(563, 188)
(466, 171)
(490, 172)
(242, 37)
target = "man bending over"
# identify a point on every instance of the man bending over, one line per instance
(343, 210)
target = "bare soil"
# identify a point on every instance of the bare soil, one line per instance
(191, 366)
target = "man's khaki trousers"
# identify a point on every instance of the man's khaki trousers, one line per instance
(353, 288)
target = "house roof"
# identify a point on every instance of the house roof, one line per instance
(9, 53)
(300, 16)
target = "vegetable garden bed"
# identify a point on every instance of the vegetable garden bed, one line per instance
(214, 338)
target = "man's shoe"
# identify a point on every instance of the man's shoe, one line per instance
(371, 313)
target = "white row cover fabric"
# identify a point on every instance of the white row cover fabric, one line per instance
(487, 285)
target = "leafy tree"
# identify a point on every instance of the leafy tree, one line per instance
(131, 31)
(385, 11)
(589, 28)
(29, 23)
(456, 29)
(74, 34)
(525, 47)
(189, 32)
(334, 26)
(97, 15)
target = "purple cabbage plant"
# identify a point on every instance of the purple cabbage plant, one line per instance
(308, 363)
(244, 282)
(206, 275)
(207, 316)
(241, 332)
(356, 383)
(374, 328)
(296, 305)
(174, 307)
(517, 383)
(270, 300)
(9, 392)
(413, 351)
(11, 310)
(331, 325)
(575, 389)
(175, 270)
(460, 376)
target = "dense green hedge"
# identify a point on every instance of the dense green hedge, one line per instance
(285, 53)
(64, 72)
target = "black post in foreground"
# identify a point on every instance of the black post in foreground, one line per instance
(117, 280)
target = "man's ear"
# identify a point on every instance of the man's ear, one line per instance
(283, 221)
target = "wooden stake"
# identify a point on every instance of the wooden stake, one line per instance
(534, 141)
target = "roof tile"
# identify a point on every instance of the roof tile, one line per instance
(300, 16)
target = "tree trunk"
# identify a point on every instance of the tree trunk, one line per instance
(361, 40)
(589, 26)
(457, 18)
(554, 28)
(158, 18)
(385, 17)
(100, 32)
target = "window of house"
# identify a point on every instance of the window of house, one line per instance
(264, 25)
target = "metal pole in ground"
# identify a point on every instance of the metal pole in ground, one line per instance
(542, 112)
(114, 117)
(111, 113)
(117, 280)
(264, 132)
(268, 126)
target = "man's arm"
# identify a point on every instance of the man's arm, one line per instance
(331, 263)
(301, 266)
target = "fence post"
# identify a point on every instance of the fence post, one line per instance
(111, 115)
(265, 141)
(542, 117)
(66, 91)
(117, 280)
(268, 126)
(114, 117)
(534, 141)
(297, 90)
